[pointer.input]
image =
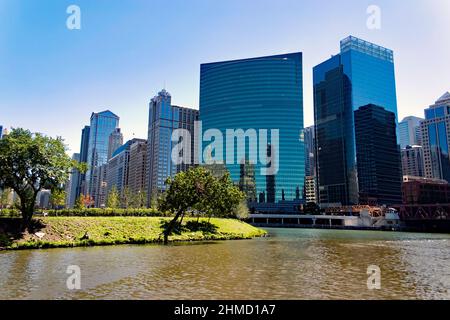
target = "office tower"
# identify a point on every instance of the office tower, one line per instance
(1, 132)
(409, 132)
(310, 157)
(361, 74)
(102, 125)
(118, 167)
(137, 177)
(72, 184)
(85, 133)
(114, 142)
(253, 95)
(379, 167)
(412, 161)
(164, 118)
(310, 190)
(100, 185)
(436, 139)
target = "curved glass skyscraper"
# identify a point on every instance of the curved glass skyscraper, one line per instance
(254, 94)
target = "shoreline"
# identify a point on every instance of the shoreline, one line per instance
(70, 232)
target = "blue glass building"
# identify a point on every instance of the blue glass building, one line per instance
(101, 127)
(362, 74)
(259, 93)
(436, 139)
(164, 119)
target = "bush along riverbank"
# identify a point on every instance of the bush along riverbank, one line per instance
(59, 232)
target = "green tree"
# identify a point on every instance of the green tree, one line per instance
(113, 201)
(197, 190)
(30, 162)
(58, 198)
(79, 205)
(139, 199)
(126, 199)
(242, 211)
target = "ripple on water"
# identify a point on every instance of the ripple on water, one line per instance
(292, 264)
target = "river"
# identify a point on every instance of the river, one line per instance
(291, 264)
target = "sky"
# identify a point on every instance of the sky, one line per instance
(52, 78)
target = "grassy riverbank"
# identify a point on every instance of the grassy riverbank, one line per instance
(56, 232)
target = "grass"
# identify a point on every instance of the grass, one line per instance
(89, 231)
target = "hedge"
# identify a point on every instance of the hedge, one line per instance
(92, 212)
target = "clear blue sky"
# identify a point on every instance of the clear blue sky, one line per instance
(52, 78)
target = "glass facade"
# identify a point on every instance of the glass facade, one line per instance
(310, 150)
(85, 133)
(409, 132)
(164, 118)
(435, 130)
(379, 164)
(362, 74)
(259, 93)
(102, 125)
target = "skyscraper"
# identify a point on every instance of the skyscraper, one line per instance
(412, 161)
(436, 139)
(409, 132)
(361, 74)
(164, 118)
(137, 173)
(102, 125)
(310, 157)
(100, 185)
(119, 165)
(85, 133)
(1, 132)
(253, 95)
(72, 184)
(114, 142)
(379, 169)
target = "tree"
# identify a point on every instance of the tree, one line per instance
(242, 211)
(58, 198)
(113, 201)
(86, 201)
(79, 205)
(127, 198)
(197, 190)
(30, 162)
(139, 199)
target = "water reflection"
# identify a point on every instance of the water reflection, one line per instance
(292, 264)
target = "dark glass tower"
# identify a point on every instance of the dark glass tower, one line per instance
(259, 93)
(81, 186)
(362, 74)
(379, 165)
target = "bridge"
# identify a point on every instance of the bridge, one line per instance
(288, 220)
